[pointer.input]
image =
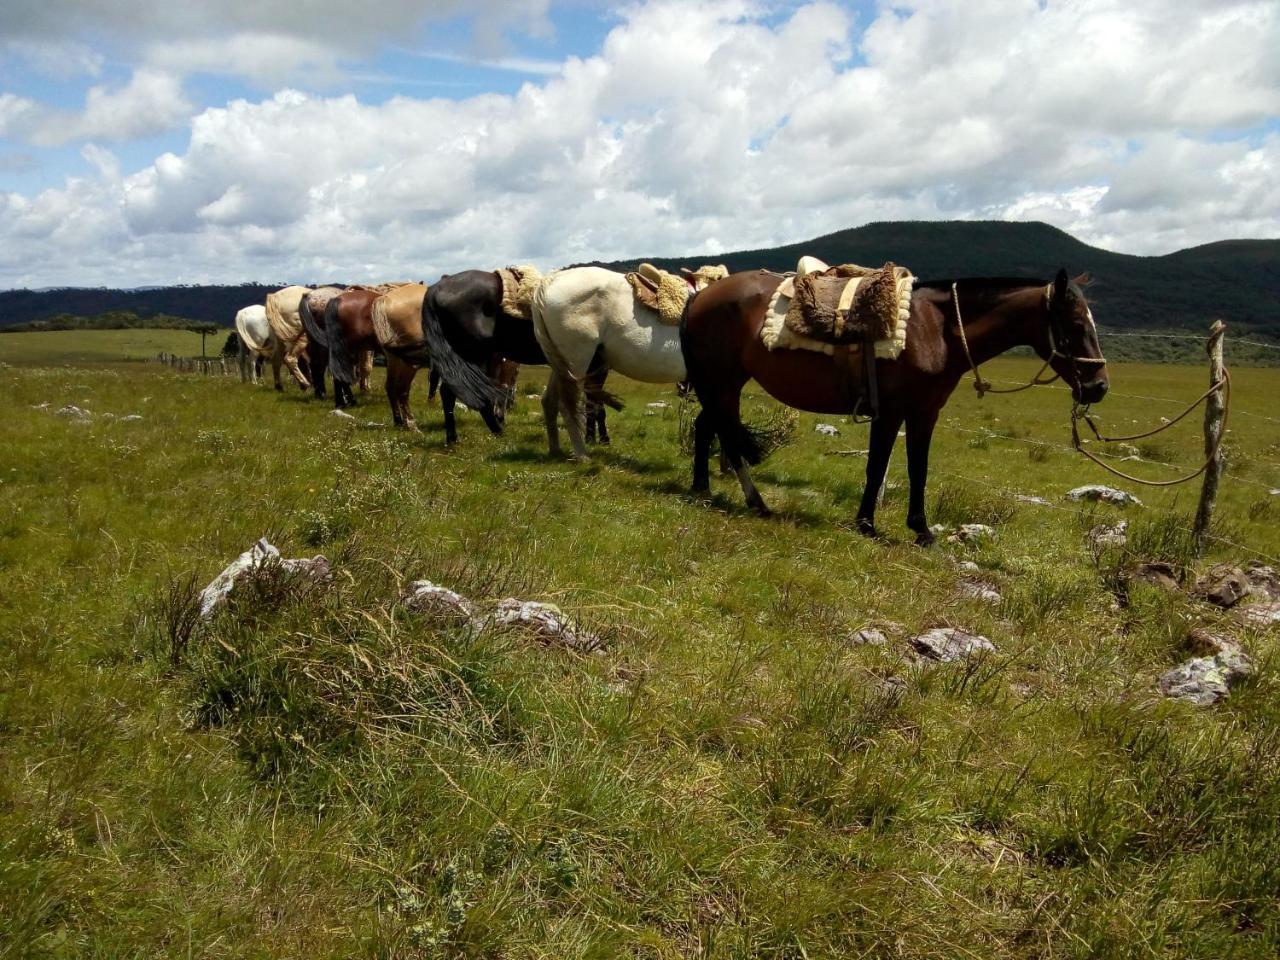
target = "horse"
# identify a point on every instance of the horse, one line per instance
(311, 311)
(257, 341)
(587, 314)
(953, 326)
(348, 325)
(282, 314)
(397, 324)
(466, 331)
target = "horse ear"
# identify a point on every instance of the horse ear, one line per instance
(1061, 283)
(1083, 280)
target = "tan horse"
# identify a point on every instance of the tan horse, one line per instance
(397, 323)
(286, 324)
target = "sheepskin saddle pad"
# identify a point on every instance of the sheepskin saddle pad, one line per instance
(518, 286)
(823, 307)
(665, 293)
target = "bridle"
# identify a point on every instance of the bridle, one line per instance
(984, 387)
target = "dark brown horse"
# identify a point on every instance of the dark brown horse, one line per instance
(311, 311)
(467, 332)
(348, 322)
(723, 350)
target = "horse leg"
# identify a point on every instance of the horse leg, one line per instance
(447, 399)
(884, 433)
(364, 367)
(277, 358)
(592, 407)
(703, 434)
(410, 423)
(571, 407)
(433, 384)
(736, 443)
(395, 373)
(919, 435)
(604, 428)
(319, 360)
(550, 413)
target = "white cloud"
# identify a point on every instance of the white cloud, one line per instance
(703, 126)
(149, 103)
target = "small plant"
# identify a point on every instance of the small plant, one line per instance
(214, 441)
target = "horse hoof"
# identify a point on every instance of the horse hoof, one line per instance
(279, 388)
(866, 528)
(925, 539)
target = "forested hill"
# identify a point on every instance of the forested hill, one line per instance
(1238, 280)
(207, 304)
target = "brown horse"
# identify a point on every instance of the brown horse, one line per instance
(953, 326)
(348, 322)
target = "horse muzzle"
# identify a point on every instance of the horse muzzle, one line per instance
(1092, 391)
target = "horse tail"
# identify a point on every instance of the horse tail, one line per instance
(314, 327)
(472, 385)
(341, 365)
(246, 340)
(594, 384)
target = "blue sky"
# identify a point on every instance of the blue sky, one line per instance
(243, 139)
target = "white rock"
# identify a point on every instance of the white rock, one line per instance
(72, 412)
(870, 636)
(375, 425)
(423, 596)
(1274, 493)
(131, 418)
(533, 396)
(658, 405)
(341, 414)
(1258, 614)
(258, 557)
(45, 406)
(974, 589)
(972, 532)
(1030, 498)
(968, 566)
(1096, 491)
(827, 430)
(1108, 535)
(546, 621)
(948, 644)
(1206, 680)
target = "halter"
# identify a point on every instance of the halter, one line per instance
(984, 387)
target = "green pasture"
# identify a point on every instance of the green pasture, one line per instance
(320, 773)
(92, 347)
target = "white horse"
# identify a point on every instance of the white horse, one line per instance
(257, 341)
(584, 309)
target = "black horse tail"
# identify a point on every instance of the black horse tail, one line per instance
(314, 325)
(341, 365)
(737, 439)
(593, 386)
(469, 382)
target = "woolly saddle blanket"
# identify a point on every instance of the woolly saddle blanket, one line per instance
(282, 313)
(822, 307)
(518, 286)
(397, 315)
(665, 293)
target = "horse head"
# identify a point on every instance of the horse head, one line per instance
(1072, 339)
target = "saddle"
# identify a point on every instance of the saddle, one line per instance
(665, 293)
(518, 286)
(851, 313)
(821, 308)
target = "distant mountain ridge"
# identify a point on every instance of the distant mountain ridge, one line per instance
(1237, 280)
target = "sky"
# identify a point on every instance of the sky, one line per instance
(258, 140)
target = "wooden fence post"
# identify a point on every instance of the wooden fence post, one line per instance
(1214, 410)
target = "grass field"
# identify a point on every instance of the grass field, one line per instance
(323, 774)
(94, 347)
